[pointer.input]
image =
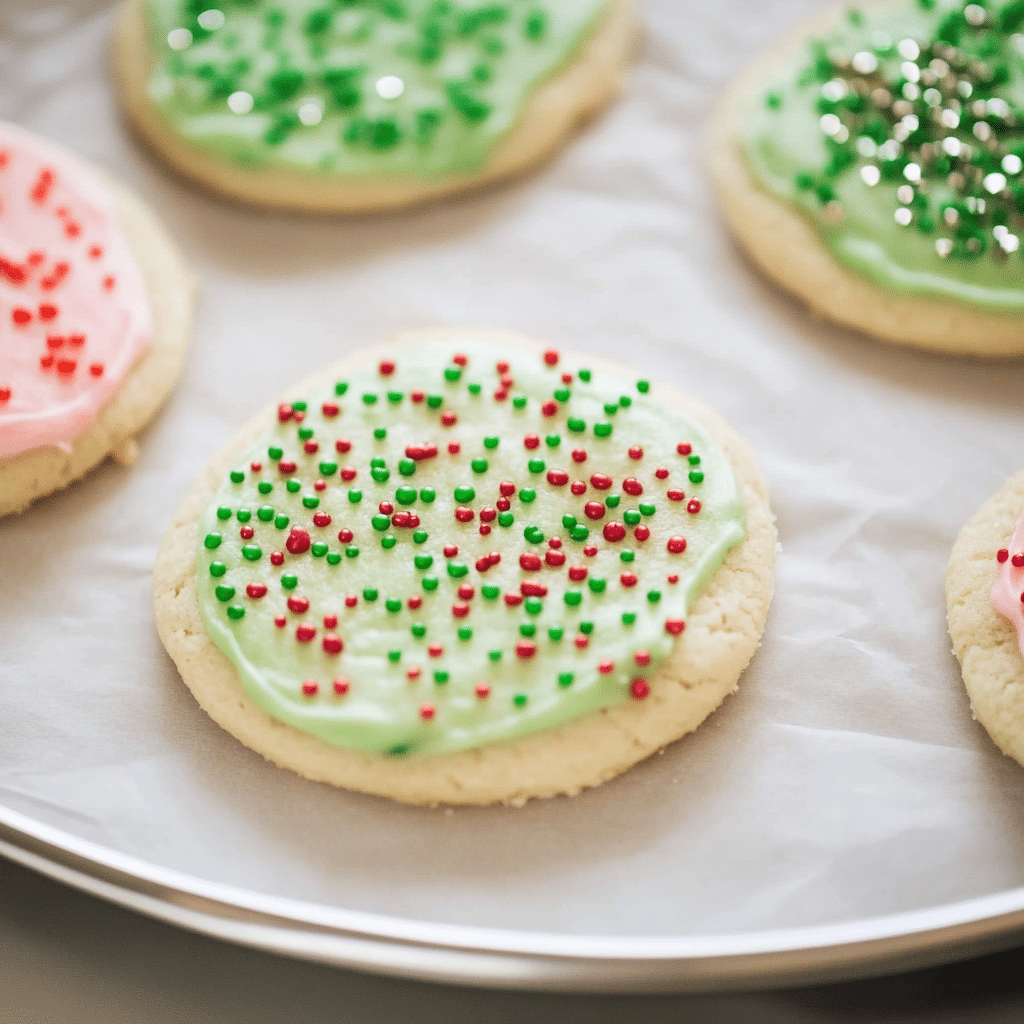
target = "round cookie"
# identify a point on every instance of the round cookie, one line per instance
(369, 106)
(95, 312)
(986, 572)
(855, 166)
(488, 642)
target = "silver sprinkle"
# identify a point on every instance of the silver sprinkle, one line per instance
(943, 246)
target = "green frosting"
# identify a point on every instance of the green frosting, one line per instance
(384, 591)
(898, 135)
(356, 87)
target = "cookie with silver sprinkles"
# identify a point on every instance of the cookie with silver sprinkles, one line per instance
(364, 105)
(872, 165)
(985, 610)
(462, 568)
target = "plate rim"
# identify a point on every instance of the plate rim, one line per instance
(524, 960)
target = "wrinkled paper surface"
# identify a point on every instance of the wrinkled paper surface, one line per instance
(846, 778)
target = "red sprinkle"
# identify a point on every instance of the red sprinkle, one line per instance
(590, 550)
(310, 688)
(284, 412)
(415, 601)
(674, 626)
(551, 357)
(501, 367)
(555, 542)
(333, 644)
(427, 712)
(503, 504)
(528, 588)
(280, 621)
(628, 579)
(450, 550)
(661, 473)
(330, 621)
(555, 558)
(601, 481)
(256, 590)
(507, 488)
(549, 408)
(459, 360)
(594, 510)
(341, 686)
(693, 506)
(47, 311)
(419, 452)
(1018, 560)
(454, 448)
(319, 485)
(5, 394)
(640, 689)
(417, 396)
(466, 591)
(683, 448)
(604, 667)
(435, 650)
(330, 409)
(614, 531)
(526, 649)
(321, 519)
(577, 573)
(286, 467)
(299, 605)
(641, 533)
(484, 530)
(558, 477)
(413, 673)
(345, 536)
(581, 640)
(676, 545)
(66, 365)
(246, 533)
(632, 486)
(566, 378)
(348, 473)
(351, 600)
(448, 418)
(483, 690)
(277, 558)
(46, 361)
(464, 514)
(488, 514)
(674, 494)
(578, 487)
(512, 599)
(636, 452)
(1002, 555)
(529, 562)
(531, 441)
(460, 609)
(674, 578)
(20, 315)
(387, 367)
(642, 657)
(305, 632)
(579, 455)
(298, 541)
(342, 445)
(311, 447)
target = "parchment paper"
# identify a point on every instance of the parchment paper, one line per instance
(845, 779)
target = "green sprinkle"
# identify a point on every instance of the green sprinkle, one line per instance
(526, 629)
(394, 656)
(452, 373)
(224, 593)
(275, 453)
(352, 551)
(579, 533)
(380, 475)
(217, 569)
(573, 598)
(434, 401)
(527, 495)
(369, 398)
(264, 487)
(236, 612)
(519, 401)
(440, 677)
(341, 387)
(464, 493)
(418, 630)
(506, 519)
(553, 440)
(281, 521)
(520, 700)
(612, 501)
(490, 591)
(380, 433)
(611, 408)
(427, 494)
(319, 549)
(773, 100)
(693, 460)
(305, 433)
(423, 562)
(355, 496)
(293, 485)
(369, 593)
(430, 582)
(603, 429)
(534, 534)
(406, 467)
(465, 633)
(252, 552)
(388, 541)
(333, 558)
(646, 508)
(420, 536)
(628, 618)
(237, 476)
(377, 462)
(625, 401)
(565, 678)
(289, 581)
(596, 585)
(631, 517)
(576, 425)
(310, 501)
(212, 540)
(626, 556)
(223, 512)
(492, 442)
(394, 397)
(457, 570)
(536, 465)
(584, 375)
(556, 632)
(643, 386)
(568, 520)
(405, 495)
(479, 465)
(475, 389)
(654, 596)
(380, 522)
(586, 628)
(534, 605)
(393, 604)
(265, 513)
(696, 476)
(494, 655)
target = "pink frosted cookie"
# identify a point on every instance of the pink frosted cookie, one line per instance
(95, 308)
(985, 608)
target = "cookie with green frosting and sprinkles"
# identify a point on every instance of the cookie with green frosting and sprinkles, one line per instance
(873, 166)
(359, 105)
(463, 569)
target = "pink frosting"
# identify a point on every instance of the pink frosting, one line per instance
(74, 314)
(1008, 588)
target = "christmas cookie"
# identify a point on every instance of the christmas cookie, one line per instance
(872, 166)
(984, 595)
(95, 305)
(364, 105)
(465, 570)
